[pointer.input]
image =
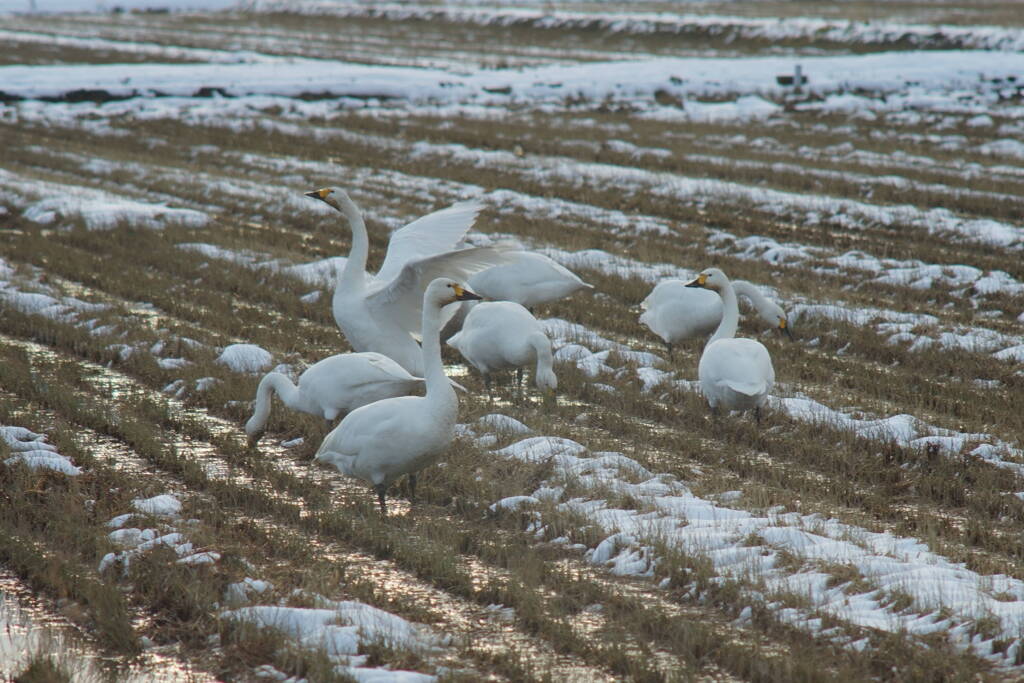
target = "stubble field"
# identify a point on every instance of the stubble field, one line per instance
(869, 528)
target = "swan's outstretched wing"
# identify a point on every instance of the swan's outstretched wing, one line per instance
(401, 300)
(435, 233)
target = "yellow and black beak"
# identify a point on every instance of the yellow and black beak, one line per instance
(319, 194)
(784, 327)
(463, 294)
(701, 281)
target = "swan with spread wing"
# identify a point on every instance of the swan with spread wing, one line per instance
(383, 313)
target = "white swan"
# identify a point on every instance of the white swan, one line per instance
(331, 387)
(380, 442)
(499, 335)
(735, 374)
(676, 312)
(382, 314)
(528, 279)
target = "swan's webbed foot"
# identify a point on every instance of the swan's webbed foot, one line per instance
(253, 441)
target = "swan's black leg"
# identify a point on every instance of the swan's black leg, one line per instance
(412, 488)
(487, 383)
(757, 415)
(381, 489)
(669, 346)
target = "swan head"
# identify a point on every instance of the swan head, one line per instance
(773, 314)
(333, 197)
(783, 325)
(444, 291)
(546, 381)
(710, 278)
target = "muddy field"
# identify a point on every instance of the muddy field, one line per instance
(153, 168)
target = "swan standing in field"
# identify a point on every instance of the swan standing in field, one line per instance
(382, 314)
(675, 312)
(735, 374)
(499, 335)
(380, 442)
(331, 387)
(528, 279)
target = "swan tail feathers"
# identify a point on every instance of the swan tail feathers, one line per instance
(748, 388)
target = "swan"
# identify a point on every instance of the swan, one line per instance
(382, 313)
(735, 374)
(498, 335)
(331, 387)
(528, 279)
(380, 442)
(675, 312)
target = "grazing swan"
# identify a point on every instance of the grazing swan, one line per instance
(331, 387)
(380, 442)
(736, 374)
(529, 279)
(382, 314)
(675, 312)
(498, 335)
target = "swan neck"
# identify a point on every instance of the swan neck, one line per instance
(744, 288)
(542, 346)
(354, 272)
(433, 369)
(271, 382)
(289, 394)
(730, 314)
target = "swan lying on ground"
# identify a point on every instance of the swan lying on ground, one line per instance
(734, 373)
(528, 279)
(382, 313)
(334, 386)
(676, 312)
(499, 335)
(380, 442)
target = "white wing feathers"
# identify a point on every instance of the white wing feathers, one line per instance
(401, 300)
(428, 235)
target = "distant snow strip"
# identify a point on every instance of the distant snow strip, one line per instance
(882, 73)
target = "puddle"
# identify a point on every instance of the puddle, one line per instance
(28, 629)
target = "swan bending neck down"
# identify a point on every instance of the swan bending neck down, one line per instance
(676, 313)
(735, 374)
(498, 335)
(768, 310)
(380, 442)
(331, 387)
(382, 313)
